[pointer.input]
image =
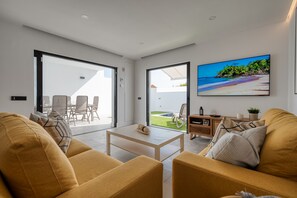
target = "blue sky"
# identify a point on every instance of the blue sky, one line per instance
(211, 70)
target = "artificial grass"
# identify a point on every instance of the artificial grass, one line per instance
(158, 112)
(166, 122)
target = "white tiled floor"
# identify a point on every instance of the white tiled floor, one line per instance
(82, 126)
(97, 141)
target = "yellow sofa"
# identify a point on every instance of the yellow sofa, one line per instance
(197, 176)
(32, 165)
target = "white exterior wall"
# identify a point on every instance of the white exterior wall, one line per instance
(168, 100)
(65, 80)
(17, 44)
(271, 39)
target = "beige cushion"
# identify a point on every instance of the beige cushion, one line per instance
(241, 149)
(251, 124)
(58, 128)
(227, 125)
(90, 164)
(36, 116)
(31, 162)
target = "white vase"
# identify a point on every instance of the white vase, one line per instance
(253, 116)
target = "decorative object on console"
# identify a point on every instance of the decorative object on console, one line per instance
(201, 111)
(143, 129)
(253, 113)
(215, 115)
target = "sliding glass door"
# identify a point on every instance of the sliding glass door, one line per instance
(168, 96)
(83, 92)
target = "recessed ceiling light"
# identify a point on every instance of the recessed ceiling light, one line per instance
(84, 17)
(211, 18)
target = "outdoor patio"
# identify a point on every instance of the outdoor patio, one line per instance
(83, 126)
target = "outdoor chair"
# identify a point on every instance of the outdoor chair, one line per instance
(180, 118)
(81, 108)
(94, 107)
(69, 106)
(69, 101)
(46, 105)
(60, 105)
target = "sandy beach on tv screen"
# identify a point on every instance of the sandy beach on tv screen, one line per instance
(255, 87)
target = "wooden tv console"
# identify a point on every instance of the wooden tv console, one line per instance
(206, 125)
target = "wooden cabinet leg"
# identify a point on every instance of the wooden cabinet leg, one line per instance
(192, 136)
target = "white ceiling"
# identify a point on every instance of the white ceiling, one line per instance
(137, 28)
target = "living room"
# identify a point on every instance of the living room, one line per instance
(22, 31)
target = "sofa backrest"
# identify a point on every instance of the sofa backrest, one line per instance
(279, 152)
(31, 162)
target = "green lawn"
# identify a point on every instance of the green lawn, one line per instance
(157, 120)
(158, 112)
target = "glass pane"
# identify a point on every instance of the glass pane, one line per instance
(89, 89)
(166, 84)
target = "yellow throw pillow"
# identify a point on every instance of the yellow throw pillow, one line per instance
(31, 162)
(279, 152)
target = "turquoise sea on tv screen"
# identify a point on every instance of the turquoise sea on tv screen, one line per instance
(210, 80)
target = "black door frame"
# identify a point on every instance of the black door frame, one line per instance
(148, 87)
(39, 71)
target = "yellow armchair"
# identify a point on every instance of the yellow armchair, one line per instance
(197, 176)
(32, 165)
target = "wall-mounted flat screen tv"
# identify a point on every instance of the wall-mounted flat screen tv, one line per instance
(241, 77)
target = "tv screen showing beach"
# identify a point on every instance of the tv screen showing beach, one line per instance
(241, 77)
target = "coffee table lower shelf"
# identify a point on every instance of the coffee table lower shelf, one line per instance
(140, 149)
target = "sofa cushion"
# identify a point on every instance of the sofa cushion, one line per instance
(251, 124)
(279, 152)
(76, 147)
(31, 162)
(241, 149)
(226, 125)
(36, 116)
(58, 128)
(90, 164)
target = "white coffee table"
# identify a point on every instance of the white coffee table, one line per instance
(156, 144)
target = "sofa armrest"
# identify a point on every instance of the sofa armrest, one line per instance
(197, 176)
(140, 177)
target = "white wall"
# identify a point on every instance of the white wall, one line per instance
(292, 99)
(267, 40)
(17, 44)
(161, 99)
(62, 79)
